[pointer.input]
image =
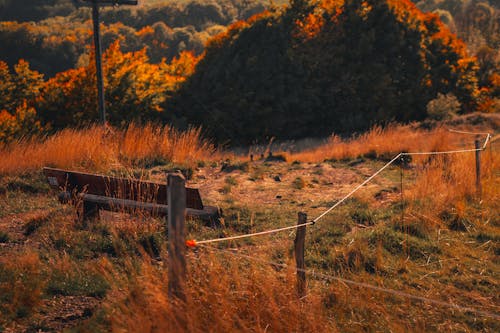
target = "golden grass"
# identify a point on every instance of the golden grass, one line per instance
(21, 284)
(227, 294)
(387, 142)
(446, 179)
(99, 148)
(221, 296)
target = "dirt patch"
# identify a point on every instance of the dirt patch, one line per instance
(19, 228)
(56, 314)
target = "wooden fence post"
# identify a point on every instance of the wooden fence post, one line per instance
(478, 167)
(176, 235)
(300, 240)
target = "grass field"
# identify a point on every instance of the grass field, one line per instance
(436, 239)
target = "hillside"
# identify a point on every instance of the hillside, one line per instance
(435, 240)
(378, 119)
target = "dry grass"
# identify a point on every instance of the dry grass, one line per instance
(99, 148)
(21, 285)
(382, 142)
(449, 179)
(425, 254)
(221, 296)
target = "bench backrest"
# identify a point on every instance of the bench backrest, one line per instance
(123, 188)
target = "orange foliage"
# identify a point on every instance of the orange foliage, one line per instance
(235, 28)
(310, 27)
(146, 31)
(259, 16)
(183, 65)
(135, 88)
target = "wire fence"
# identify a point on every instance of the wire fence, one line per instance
(192, 242)
(362, 284)
(399, 293)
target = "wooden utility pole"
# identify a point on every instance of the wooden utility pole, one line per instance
(98, 61)
(98, 50)
(300, 239)
(176, 235)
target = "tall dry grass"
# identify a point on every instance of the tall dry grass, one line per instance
(445, 179)
(21, 285)
(386, 142)
(99, 148)
(221, 296)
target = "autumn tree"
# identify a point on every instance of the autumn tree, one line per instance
(19, 90)
(135, 89)
(333, 66)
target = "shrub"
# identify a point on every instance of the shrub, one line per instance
(443, 107)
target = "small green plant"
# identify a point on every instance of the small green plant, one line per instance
(75, 282)
(360, 212)
(363, 216)
(152, 243)
(230, 166)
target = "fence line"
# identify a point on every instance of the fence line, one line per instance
(357, 188)
(366, 285)
(247, 235)
(193, 243)
(466, 132)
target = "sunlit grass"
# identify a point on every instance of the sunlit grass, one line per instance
(383, 143)
(99, 148)
(440, 241)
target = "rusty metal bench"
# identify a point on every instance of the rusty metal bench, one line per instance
(121, 194)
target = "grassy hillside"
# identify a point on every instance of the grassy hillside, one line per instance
(436, 239)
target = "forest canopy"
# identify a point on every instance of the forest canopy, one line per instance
(302, 69)
(332, 66)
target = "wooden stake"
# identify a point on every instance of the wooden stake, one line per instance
(478, 167)
(300, 240)
(176, 235)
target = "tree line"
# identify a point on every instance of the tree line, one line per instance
(305, 69)
(54, 35)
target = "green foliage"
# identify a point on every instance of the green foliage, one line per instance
(76, 282)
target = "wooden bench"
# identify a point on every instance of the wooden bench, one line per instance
(121, 194)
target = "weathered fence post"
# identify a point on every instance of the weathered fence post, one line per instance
(300, 240)
(478, 167)
(176, 235)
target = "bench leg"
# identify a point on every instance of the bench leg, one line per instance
(90, 211)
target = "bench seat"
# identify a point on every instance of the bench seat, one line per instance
(121, 194)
